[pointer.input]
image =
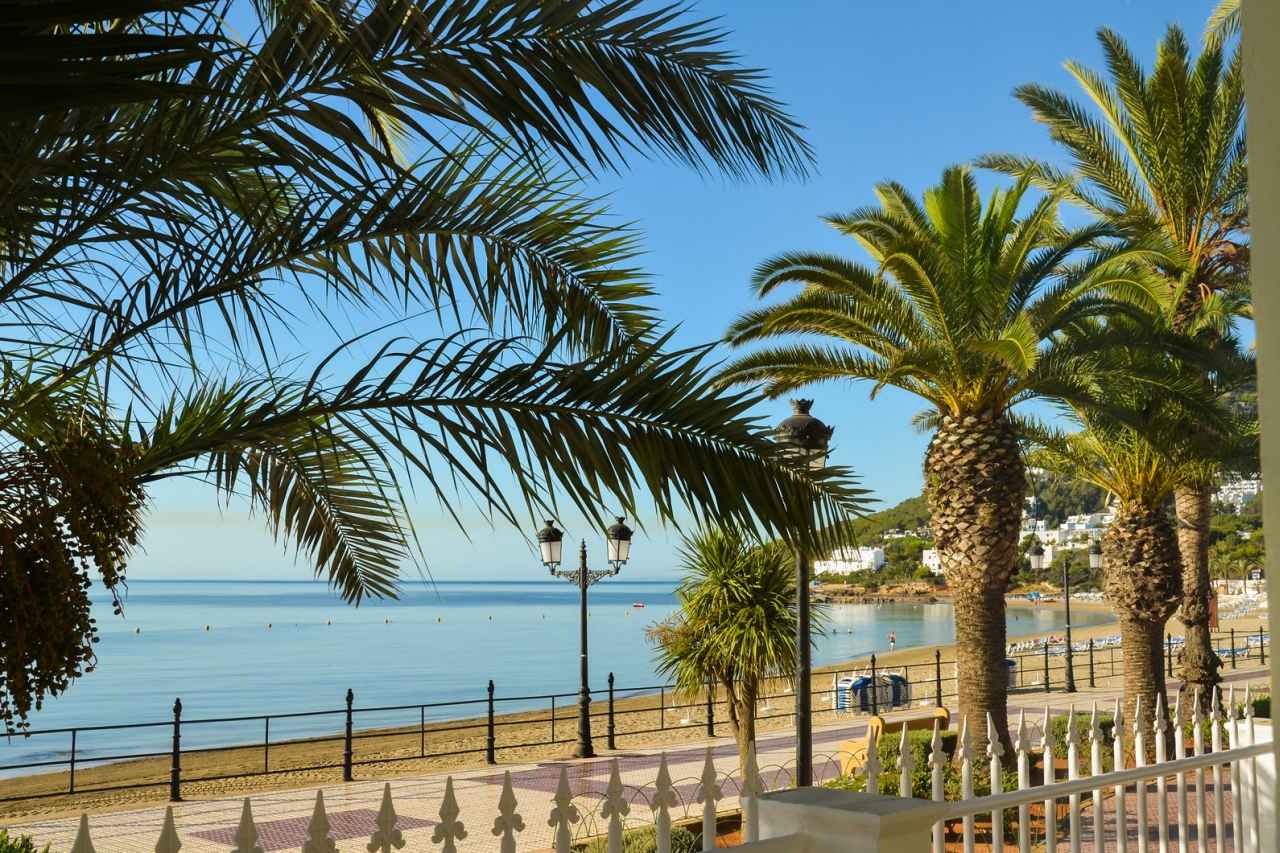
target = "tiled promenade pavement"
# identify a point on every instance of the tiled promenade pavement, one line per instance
(281, 817)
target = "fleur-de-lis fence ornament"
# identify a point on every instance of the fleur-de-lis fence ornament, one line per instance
(906, 764)
(564, 814)
(318, 838)
(1021, 752)
(246, 833)
(450, 830)
(386, 835)
(83, 843)
(708, 795)
(664, 797)
(508, 822)
(169, 841)
(615, 806)
(872, 765)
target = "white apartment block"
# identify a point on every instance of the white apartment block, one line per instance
(1239, 492)
(845, 560)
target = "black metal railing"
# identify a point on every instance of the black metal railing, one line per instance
(463, 727)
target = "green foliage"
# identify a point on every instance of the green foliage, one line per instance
(644, 840)
(1237, 542)
(1106, 725)
(1262, 707)
(909, 515)
(19, 844)
(174, 215)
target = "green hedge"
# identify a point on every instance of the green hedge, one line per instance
(645, 840)
(18, 844)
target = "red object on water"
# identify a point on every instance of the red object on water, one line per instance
(638, 604)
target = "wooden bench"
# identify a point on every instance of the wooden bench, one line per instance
(853, 752)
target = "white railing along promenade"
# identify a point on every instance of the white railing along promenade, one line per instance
(1205, 798)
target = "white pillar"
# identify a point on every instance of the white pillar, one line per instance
(1262, 82)
(880, 824)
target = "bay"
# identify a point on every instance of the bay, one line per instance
(275, 648)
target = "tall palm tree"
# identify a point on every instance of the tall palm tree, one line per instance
(1142, 572)
(1161, 157)
(966, 308)
(185, 182)
(736, 626)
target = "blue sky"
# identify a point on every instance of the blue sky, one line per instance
(887, 90)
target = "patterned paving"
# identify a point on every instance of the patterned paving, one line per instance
(291, 832)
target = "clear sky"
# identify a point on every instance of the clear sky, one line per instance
(888, 89)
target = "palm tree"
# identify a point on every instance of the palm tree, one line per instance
(965, 308)
(1162, 159)
(180, 193)
(736, 626)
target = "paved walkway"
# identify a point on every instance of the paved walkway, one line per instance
(209, 826)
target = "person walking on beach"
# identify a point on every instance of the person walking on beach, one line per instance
(893, 639)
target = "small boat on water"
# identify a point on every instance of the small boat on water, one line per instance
(638, 604)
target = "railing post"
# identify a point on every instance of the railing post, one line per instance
(1046, 665)
(1262, 645)
(422, 731)
(346, 740)
(711, 710)
(1168, 654)
(553, 718)
(875, 698)
(662, 707)
(1233, 647)
(175, 766)
(611, 742)
(1091, 682)
(266, 744)
(937, 676)
(490, 744)
(71, 788)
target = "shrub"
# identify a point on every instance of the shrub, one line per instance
(23, 844)
(643, 840)
(1106, 725)
(1262, 707)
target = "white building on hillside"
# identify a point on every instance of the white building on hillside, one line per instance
(846, 560)
(1239, 492)
(931, 560)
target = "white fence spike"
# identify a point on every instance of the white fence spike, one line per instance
(937, 764)
(246, 831)
(966, 779)
(871, 767)
(563, 815)
(1117, 759)
(1197, 743)
(83, 843)
(1095, 770)
(615, 806)
(1021, 751)
(169, 841)
(1050, 809)
(386, 835)
(1253, 815)
(318, 839)
(1237, 778)
(906, 763)
(1159, 726)
(1180, 751)
(508, 822)
(995, 750)
(1140, 760)
(450, 830)
(664, 799)
(1215, 739)
(708, 795)
(1073, 772)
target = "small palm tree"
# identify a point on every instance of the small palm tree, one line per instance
(736, 626)
(1161, 158)
(967, 308)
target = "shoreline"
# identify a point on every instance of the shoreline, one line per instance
(642, 720)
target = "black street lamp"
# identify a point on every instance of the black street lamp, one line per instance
(1070, 674)
(806, 439)
(550, 543)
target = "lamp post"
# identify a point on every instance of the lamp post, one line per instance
(550, 543)
(806, 440)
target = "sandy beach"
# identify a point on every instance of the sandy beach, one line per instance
(519, 737)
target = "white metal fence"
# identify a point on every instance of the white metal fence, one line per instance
(1206, 796)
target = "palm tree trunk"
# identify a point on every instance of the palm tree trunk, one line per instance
(1200, 664)
(1143, 579)
(745, 711)
(975, 483)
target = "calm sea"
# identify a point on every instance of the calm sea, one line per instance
(435, 644)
